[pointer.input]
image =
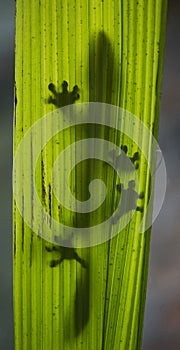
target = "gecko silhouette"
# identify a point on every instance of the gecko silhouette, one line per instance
(66, 253)
(81, 302)
(102, 66)
(129, 200)
(121, 160)
(64, 98)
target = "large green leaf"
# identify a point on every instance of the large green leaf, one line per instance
(113, 52)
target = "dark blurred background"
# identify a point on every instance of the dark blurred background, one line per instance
(162, 316)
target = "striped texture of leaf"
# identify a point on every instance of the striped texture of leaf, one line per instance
(113, 51)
